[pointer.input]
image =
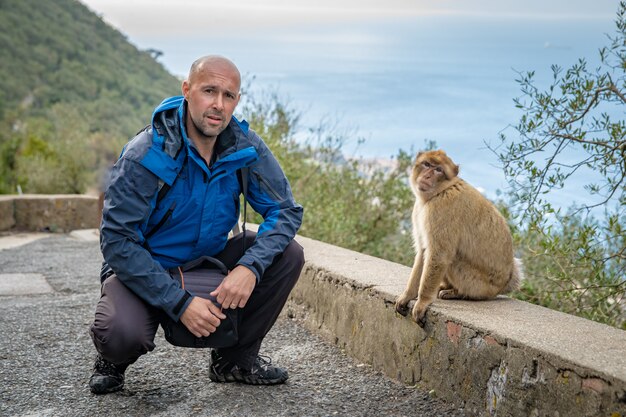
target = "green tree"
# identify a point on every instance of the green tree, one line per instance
(575, 258)
(52, 154)
(350, 203)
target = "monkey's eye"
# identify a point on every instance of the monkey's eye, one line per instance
(426, 164)
(439, 170)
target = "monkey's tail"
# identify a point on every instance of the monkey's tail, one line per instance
(516, 277)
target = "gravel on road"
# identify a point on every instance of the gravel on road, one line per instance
(46, 358)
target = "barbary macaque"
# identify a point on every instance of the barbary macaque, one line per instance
(463, 245)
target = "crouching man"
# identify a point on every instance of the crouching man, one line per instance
(173, 197)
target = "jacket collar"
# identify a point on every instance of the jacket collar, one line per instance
(228, 142)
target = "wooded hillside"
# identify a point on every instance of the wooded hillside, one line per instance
(63, 71)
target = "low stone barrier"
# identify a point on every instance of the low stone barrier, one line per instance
(495, 358)
(48, 213)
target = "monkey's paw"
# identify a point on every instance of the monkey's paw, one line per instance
(402, 308)
(419, 314)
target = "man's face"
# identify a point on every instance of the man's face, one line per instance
(212, 94)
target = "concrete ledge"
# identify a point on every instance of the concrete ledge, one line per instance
(502, 357)
(51, 213)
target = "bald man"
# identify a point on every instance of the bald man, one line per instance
(173, 197)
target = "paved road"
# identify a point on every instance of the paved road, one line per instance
(46, 357)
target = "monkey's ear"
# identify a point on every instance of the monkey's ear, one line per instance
(451, 170)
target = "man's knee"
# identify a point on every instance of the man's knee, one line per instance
(292, 261)
(286, 268)
(123, 328)
(294, 254)
(117, 342)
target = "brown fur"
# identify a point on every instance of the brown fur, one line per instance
(463, 244)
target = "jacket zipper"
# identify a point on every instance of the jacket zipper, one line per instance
(161, 222)
(268, 187)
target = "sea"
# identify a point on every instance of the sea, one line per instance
(391, 83)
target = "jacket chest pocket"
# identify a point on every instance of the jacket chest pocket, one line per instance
(171, 201)
(163, 220)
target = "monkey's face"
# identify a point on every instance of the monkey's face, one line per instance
(428, 176)
(431, 169)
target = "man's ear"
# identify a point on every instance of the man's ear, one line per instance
(185, 88)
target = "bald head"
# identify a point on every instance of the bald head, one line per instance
(214, 63)
(212, 93)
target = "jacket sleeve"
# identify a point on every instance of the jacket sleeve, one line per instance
(269, 194)
(129, 200)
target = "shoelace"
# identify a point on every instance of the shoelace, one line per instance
(263, 361)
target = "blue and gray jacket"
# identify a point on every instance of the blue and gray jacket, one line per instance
(143, 235)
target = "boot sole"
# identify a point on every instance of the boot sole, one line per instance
(228, 378)
(97, 388)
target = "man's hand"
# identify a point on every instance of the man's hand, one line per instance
(201, 317)
(236, 288)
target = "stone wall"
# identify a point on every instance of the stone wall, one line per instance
(48, 213)
(496, 358)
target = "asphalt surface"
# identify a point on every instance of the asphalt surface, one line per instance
(46, 358)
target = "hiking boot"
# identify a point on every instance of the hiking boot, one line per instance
(261, 373)
(107, 377)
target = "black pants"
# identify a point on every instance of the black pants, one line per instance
(125, 326)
